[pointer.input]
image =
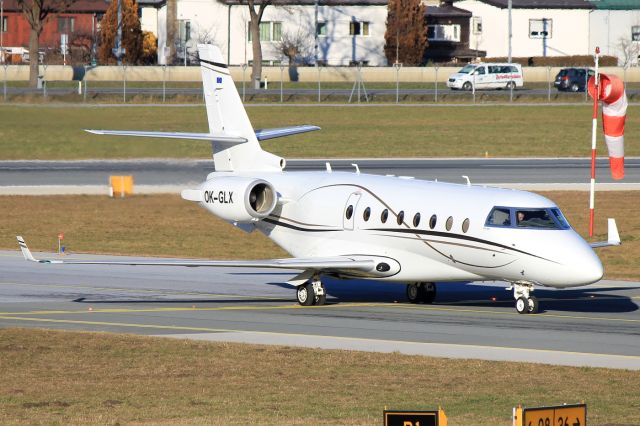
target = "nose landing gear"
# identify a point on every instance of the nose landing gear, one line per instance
(525, 302)
(311, 293)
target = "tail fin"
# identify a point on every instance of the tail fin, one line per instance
(226, 115)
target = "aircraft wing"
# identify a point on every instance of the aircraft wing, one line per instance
(325, 263)
(613, 238)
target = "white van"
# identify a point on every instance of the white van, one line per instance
(487, 76)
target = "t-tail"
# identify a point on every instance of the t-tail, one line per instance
(234, 142)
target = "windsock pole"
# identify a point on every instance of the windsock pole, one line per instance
(592, 195)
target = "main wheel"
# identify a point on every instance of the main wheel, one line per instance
(429, 293)
(305, 294)
(321, 300)
(511, 85)
(413, 292)
(466, 86)
(522, 305)
(533, 305)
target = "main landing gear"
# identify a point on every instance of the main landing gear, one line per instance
(312, 293)
(421, 292)
(525, 302)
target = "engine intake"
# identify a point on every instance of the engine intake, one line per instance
(239, 199)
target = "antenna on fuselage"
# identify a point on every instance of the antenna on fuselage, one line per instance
(357, 168)
(468, 180)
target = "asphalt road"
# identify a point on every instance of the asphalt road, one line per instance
(598, 325)
(185, 172)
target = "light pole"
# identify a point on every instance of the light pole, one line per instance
(509, 6)
(1, 31)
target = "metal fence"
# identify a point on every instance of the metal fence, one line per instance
(320, 85)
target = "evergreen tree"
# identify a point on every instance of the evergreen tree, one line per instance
(131, 33)
(406, 35)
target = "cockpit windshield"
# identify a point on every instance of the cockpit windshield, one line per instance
(543, 218)
(467, 69)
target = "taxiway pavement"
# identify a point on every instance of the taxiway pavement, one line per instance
(597, 325)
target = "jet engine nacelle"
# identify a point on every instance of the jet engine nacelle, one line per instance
(239, 199)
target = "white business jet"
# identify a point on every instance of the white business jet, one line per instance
(355, 225)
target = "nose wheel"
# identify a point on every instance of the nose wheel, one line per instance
(525, 302)
(311, 293)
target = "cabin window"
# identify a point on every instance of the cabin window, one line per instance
(384, 215)
(349, 212)
(366, 214)
(465, 225)
(499, 216)
(400, 217)
(449, 223)
(432, 221)
(416, 220)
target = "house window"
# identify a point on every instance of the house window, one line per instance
(185, 31)
(5, 24)
(359, 28)
(635, 33)
(443, 32)
(269, 31)
(66, 24)
(477, 25)
(321, 29)
(540, 28)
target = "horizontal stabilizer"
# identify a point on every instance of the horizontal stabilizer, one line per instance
(613, 239)
(223, 138)
(264, 134)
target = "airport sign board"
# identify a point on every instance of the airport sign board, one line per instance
(561, 415)
(415, 418)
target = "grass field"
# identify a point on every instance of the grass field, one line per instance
(45, 132)
(165, 225)
(52, 377)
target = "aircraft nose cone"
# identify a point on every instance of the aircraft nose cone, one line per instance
(589, 269)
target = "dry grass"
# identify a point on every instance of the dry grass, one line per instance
(41, 132)
(52, 377)
(166, 225)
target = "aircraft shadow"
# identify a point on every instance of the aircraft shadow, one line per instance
(479, 295)
(228, 300)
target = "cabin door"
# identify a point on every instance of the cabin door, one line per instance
(349, 211)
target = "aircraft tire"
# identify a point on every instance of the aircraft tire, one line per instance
(414, 292)
(305, 294)
(321, 300)
(533, 305)
(522, 305)
(428, 292)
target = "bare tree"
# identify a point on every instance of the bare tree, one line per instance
(254, 30)
(36, 13)
(296, 47)
(629, 49)
(172, 31)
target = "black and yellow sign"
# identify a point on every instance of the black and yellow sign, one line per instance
(415, 418)
(561, 415)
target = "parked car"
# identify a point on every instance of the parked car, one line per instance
(573, 79)
(487, 76)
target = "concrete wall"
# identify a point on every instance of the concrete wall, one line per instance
(306, 74)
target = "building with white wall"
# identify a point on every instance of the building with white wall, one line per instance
(349, 31)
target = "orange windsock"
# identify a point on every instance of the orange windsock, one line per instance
(614, 113)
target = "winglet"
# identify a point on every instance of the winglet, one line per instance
(613, 237)
(25, 250)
